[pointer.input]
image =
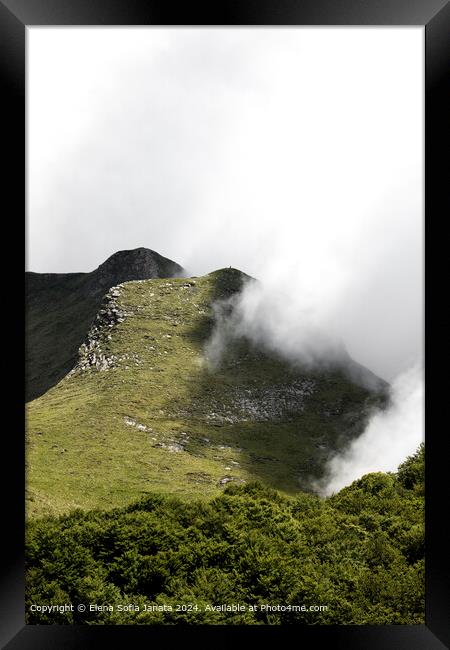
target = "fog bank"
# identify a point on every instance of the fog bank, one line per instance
(388, 439)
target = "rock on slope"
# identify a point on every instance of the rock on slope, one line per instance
(61, 306)
(142, 411)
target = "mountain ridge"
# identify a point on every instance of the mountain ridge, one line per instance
(61, 306)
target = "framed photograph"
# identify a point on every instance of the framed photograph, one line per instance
(226, 215)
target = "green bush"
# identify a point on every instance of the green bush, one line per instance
(360, 553)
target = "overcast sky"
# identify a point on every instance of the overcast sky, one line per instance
(294, 154)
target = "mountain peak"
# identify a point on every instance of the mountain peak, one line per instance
(227, 281)
(135, 264)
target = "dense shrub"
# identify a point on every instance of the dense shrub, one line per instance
(360, 553)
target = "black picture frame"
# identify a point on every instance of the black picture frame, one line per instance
(434, 15)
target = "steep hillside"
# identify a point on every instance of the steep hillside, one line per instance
(61, 306)
(142, 412)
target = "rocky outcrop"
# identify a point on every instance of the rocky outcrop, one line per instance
(93, 353)
(266, 404)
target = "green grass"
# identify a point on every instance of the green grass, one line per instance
(81, 453)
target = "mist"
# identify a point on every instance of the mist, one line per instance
(302, 336)
(270, 320)
(299, 329)
(388, 439)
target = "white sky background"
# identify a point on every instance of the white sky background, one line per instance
(295, 155)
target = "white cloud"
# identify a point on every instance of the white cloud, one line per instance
(293, 154)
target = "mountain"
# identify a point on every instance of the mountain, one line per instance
(140, 410)
(61, 306)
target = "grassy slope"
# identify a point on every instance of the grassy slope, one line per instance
(83, 453)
